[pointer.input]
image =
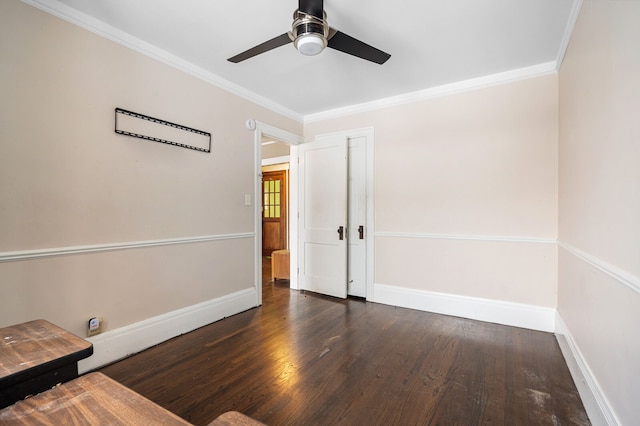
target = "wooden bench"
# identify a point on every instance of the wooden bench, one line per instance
(36, 355)
(280, 264)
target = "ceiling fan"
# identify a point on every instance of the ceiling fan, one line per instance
(310, 34)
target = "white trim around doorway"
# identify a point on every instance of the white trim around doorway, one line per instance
(263, 129)
(293, 140)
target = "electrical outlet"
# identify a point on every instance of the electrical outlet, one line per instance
(94, 326)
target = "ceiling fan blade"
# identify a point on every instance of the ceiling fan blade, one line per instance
(311, 7)
(278, 41)
(347, 44)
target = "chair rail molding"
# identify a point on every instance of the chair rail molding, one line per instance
(13, 256)
(496, 238)
(626, 278)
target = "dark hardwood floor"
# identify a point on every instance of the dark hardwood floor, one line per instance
(306, 359)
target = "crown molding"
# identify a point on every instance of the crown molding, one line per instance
(82, 20)
(566, 38)
(539, 70)
(75, 17)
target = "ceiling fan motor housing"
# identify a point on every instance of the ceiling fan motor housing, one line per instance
(309, 33)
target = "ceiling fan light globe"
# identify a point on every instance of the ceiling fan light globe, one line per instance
(310, 44)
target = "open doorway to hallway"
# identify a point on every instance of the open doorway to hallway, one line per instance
(275, 195)
(276, 149)
(275, 208)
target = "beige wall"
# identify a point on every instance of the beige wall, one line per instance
(466, 199)
(67, 180)
(277, 149)
(599, 262)
(466, 191)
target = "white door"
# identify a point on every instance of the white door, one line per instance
(357, 251)
(323, 231)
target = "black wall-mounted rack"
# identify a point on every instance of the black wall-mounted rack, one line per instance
(152, 129)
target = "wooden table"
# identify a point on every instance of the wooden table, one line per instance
(35, 356)
(95, 399)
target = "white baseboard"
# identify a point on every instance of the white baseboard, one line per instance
(594, 401)
(119, 343)
(507, 313)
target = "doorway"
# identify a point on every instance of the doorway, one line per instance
(366, 135)
(280, 148)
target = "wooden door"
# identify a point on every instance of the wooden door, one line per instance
(322, 223)
(274, 211)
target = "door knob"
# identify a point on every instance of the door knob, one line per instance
(361, 232)
(341, 232)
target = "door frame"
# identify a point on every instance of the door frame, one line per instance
(283, 218)
(293, 140)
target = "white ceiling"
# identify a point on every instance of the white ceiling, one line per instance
(432, 43)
